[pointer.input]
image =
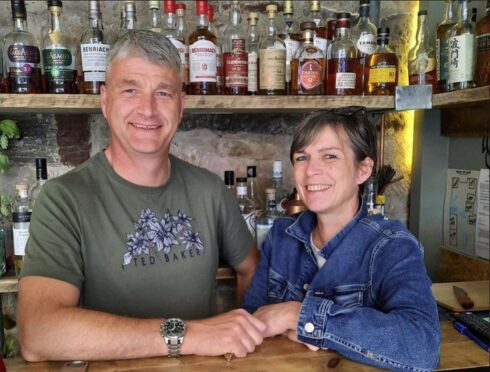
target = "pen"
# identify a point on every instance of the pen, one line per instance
(461, 328)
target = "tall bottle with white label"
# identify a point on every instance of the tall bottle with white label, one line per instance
(93, 50)
(247, 207)
(203, 49)
(462, 50)
(442, 47)
(253, 40)
(291, 35)
(21, 218)
(281, 193)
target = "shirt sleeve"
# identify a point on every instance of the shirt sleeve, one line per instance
(403, 333)
(54, 246)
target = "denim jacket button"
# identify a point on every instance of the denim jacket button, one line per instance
(309, 327)
(305, 286)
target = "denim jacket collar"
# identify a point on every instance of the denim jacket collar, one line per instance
(303, 226)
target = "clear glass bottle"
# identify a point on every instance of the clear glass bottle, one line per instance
(130, 19)
(281, 193)
(155, 16)
(369, 196)
(421, 58)
(272, 58)
(266, 220)
(21, 218)
(41, 178)
(380, 204)
(253, 41)
(247, 207)
(462, 50)
(291, 35)
(382, 67)
(342, 66)
(315, 15)
(308, 65)
(21, 55)
(93, 51)
(482, 73)
(442, 48)
(364, 37)
(235, 59)
(219, 51)
(59, 54)
(253, 188)
(203, 51)
(122, 24)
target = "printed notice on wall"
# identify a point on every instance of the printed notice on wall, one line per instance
(460, 210)
(482, 235)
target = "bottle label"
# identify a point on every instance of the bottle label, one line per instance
(26, 56)
(291, 47)
(184, 57)
(94, 61)
(282, 205)
(310, 75)
(202, 61)
(422, 65)
(461, 58)
(252, 71)
(483, 43)
(443, 60)
(219, 66)
(321, 43)
(250, 219)
(345, 80)
(366, 43)
(272, 68)
(382, 74)
(58, 63)
(236, 65)
(20, 239)
(21, 217)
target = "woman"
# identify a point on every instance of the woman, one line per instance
(334, 277)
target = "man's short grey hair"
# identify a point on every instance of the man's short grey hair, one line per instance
(146, 44)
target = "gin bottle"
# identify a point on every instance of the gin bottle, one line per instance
(41, 178)
(21, 218)
(155, 16)
(93, 51)
(281, 193)
(265, 222)
(21, 55)
(247, 207)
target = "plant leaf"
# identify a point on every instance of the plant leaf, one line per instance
(9, 128)
(4, 163)
(4, 142)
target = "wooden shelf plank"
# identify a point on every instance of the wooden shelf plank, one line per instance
(465, 97)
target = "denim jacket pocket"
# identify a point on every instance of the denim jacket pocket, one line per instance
(280, 290)
(348, 295)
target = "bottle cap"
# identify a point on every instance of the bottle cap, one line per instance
(252, 18)
(288, 7)
(55, 3)
(41, 169)
(129, 7)
(21, 187)
(343, 20)
(154, 4)
(18, 9)
(309, 25)
(229, 178)
(364, 2)
(251, 171)
(271, 8)
(422, 12)
(169, 6)
(380, 199)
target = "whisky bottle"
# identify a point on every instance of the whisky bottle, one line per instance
(202, 55)
(462, 50)
(155, 16)
(128, 16)
(174, 29)
(482, 73)
(308, 65)
(382, 67)
(219, 50)
(41, 178)
(266, 220)
(272, 58)
(93, 51)
(364, 37)
(21, 218)
(247, 207)
(291, 35)
(281, 193)
(235, 58)
(253, 41)
(21, 55)
(342, 66)
(421, 58)
(315, 15)
(59, 55)
(442, 49)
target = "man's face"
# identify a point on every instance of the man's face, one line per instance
(143, 105)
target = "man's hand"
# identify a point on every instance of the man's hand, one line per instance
(293, 336)
(236, 332)
(279, 318)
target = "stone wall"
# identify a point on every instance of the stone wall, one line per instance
(217, 142)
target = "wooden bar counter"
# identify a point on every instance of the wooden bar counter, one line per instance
(276, 354)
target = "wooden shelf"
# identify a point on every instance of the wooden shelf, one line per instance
(467, 97)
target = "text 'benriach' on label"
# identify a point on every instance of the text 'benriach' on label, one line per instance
(94, 60)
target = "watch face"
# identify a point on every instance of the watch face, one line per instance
(174, 327)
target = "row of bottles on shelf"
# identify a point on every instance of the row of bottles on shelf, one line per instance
(316, 57)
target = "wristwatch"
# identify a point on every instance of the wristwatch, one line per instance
(173, 331)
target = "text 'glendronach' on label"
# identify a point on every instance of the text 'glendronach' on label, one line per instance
(236, 65)
(382, 74)
(310, 75)
(202, 62)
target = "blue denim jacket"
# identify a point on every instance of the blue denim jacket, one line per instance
(371, 301)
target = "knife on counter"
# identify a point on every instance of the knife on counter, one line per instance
(463, 299)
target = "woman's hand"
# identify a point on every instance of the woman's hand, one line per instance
(279, 318)
(292, 335)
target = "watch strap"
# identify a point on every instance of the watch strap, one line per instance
(173, 346)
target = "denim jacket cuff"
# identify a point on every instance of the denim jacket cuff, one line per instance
(312, 321)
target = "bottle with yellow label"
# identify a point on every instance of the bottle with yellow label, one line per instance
(382, 67)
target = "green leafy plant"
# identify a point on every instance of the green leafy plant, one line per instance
(8, 130)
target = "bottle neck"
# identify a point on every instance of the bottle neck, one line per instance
(55, 15)
(20, 24)
(422, 30)
(130, 21)
(342, 33)
(169, 21)
(383, 42)
(95, 21)
(181, 24)
(307, 37)
(235, 15)
(202, 21)
(449, 13)
(23, 194)
(463, 11)
(155, 19)
(364, 13)
(277, 182)
(271, 27)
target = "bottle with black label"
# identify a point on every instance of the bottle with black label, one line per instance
(41, 178)
(21, 218)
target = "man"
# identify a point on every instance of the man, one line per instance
(134, 234)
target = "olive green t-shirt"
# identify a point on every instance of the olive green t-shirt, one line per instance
(135, 250)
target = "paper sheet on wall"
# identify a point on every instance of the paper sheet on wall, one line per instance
(482, 235)
(460, 210)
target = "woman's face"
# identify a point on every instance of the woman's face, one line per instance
(327, 175)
